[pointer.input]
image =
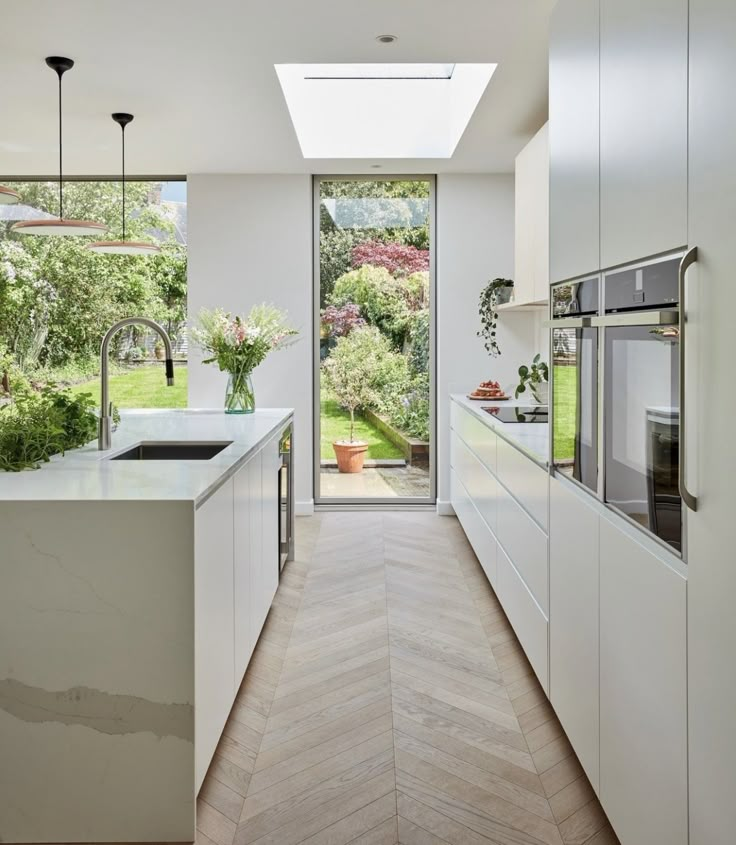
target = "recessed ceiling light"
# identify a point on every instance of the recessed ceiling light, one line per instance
(376, 166)
(416, 110)
(386, 39)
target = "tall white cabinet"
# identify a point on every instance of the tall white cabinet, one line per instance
(531, 224)
(712, 529)
(643, 128)
(574, 140)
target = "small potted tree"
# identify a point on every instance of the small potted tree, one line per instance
(350, 372)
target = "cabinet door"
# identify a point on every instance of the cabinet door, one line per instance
(643, 692)
(573, 622)
(574, 139)
(213, 613)
(244, 641)
(531, 272)
(270, 516)
(711, 535)
(257, 610)
(643, 119)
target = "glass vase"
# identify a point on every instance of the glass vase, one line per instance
(239, 395)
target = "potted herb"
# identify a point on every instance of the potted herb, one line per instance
(536, 378)
(350, 372)
(238, 345)
(495, 293)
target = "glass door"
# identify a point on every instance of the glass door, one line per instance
(374, 340)
(575, 402)
(642, 424)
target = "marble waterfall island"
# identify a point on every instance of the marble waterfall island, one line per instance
(132, 593)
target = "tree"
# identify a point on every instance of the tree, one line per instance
(352, 369)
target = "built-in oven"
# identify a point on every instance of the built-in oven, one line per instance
(640, 336)
(575, 401)
(286, 498)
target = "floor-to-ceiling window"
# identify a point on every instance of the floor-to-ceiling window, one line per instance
(57, 297)
(374, 340)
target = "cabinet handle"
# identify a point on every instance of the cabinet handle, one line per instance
(690, 257)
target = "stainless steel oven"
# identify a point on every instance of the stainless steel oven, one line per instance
(640, 337)
(575, 398)
(286, 498)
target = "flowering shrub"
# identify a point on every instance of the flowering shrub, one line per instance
(398, 259)
(238, 344)
(341, 321)
(380, 297)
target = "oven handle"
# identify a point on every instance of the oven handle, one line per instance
(690, 257)
(567, 323)
(670, 317)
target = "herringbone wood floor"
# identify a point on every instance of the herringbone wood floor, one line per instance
(389, 701)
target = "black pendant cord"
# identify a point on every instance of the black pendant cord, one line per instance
(123, 172)
(61, 171)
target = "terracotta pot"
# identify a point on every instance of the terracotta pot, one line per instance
(350, 456)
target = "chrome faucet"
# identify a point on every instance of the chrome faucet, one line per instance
(104, 438)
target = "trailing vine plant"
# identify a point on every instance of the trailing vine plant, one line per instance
(487, 309)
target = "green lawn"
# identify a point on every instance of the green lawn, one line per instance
(335, 425)
(565, 394)
(142, 387)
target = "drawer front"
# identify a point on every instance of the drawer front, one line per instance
(526, 617)
(479, 535)
(477, 436)
(526, 545)
(480, 485)
(526, 480)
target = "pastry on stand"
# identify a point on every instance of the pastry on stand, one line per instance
(488, 390)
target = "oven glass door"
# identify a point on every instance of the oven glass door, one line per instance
(642, 425)
(575, 404)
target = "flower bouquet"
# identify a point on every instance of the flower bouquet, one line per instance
(238, 345)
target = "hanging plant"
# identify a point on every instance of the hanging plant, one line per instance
(487, 309)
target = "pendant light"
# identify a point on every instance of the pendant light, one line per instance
(123, 247)
(59, 225)
(8, 196)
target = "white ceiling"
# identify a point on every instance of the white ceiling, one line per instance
(199, 78)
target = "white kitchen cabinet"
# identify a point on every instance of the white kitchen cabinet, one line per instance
(643, 124)
(527, 618)
(479, 437)
(643, 692)
(214, 629)
(270, 518)
(531, 221)
(573, 621)
(526, 545)
(528, 482)
(243, 561)
(481, 486)
(480, 536)
(574, 140)
(711, 531)
(258, 611)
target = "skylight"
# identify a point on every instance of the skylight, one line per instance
(381, 110)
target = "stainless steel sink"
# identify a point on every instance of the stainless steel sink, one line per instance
(161, 451)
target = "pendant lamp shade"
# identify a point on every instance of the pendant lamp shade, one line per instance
(8, 196)
(59, 225)
(123, 247)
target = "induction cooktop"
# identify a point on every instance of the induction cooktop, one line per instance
(522, 414)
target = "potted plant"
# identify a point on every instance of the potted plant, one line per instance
(350, 372)
(536, 378)
(495, 293)
(158, 350)
(238, 345)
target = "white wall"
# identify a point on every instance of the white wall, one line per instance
(475, 243)
(250, 241)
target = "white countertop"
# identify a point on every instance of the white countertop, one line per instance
(87, 474)
(530, 438)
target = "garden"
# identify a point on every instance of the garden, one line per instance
(57, 299)
(375, 317)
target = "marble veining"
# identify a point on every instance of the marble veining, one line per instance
(101, 711)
